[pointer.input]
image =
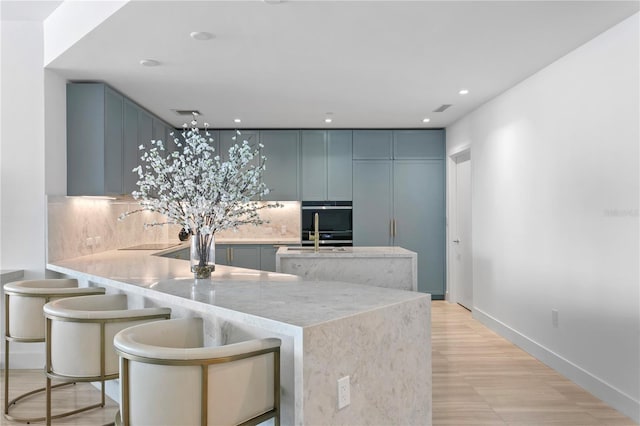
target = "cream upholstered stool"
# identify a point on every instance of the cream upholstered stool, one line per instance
(24, 321)
(79, 339)
(168, 378)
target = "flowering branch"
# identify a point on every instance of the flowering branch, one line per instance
(194, 188)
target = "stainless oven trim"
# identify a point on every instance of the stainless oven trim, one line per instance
(327, 207)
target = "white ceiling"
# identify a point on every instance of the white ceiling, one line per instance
(369, 63)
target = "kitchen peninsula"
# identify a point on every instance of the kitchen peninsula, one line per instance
(390, 267)
(378, 337)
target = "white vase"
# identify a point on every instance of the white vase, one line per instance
(202, 255)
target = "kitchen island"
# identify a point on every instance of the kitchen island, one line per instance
(390, 267)
(378, 337)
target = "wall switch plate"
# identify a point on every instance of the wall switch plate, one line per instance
(554, 318)
(344, 392)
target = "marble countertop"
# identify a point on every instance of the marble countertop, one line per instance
(355, 252)
(279, 297)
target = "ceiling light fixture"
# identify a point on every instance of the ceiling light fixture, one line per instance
(237, 120)
(426, 120)
(149, 63)
(201, 35)
(328, 118)
(463, 91)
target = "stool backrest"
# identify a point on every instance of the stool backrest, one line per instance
(166, 379)
(24, 301)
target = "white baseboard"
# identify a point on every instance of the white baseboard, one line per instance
(24, 360)
(599, 388)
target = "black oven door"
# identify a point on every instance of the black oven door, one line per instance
(334, 224)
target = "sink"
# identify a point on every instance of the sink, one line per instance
(320, 249)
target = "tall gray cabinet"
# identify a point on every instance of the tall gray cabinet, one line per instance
(399, 197)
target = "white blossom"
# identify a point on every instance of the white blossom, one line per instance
(194, 188)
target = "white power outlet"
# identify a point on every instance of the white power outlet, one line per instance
(89, 242)
(344, 392)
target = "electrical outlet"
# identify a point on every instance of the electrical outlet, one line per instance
(89, 242)
(344, 392)
(554, 318)
(97, 240)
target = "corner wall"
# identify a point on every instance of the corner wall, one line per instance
(555, 195)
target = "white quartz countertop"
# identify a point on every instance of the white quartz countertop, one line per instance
(359, 252)
(279, 297)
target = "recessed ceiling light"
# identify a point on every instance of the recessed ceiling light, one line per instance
(463, 91)
(328, 120)
(201, 35)
(149, 63)
(426, 120)
(237, 120)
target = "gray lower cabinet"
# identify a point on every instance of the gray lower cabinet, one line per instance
(240, 255)
(326, 170)
(268, 257)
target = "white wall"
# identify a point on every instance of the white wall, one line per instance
(555, 197)
(22, 158)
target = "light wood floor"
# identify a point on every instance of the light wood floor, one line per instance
(479, 378)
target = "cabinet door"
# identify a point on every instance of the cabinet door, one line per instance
(372, 144)
(113, 116)
(159, 131)
(282, 150)
(222, 252)
(227, 140)
(418, 144)
(85, 139)
(419, 200)
(131, 153)
(145, 129)
(372, 203)
(268, 258)
(314, 165)
(245, 256)
(339, 165)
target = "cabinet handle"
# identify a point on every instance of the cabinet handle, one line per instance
(230, 255)
(395, 229)
(391, 227)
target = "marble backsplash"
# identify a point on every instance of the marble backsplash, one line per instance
(78, 226)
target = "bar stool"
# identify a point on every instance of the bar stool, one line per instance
(168, 378)
(79, 335)
(24, 322)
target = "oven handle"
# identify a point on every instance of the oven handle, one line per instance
(327, 208)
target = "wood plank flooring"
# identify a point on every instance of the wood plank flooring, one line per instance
(479, 378)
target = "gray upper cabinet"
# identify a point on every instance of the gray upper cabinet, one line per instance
(131, 151)
(104, 130)
(372, 144)
(282, 150)
(228, 138)
(326, 165)
(418, 144)
(94, 140)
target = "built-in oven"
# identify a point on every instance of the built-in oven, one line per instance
(335, 223)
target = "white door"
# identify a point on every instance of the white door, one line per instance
(461, 237)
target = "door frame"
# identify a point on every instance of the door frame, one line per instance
(451, 292)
